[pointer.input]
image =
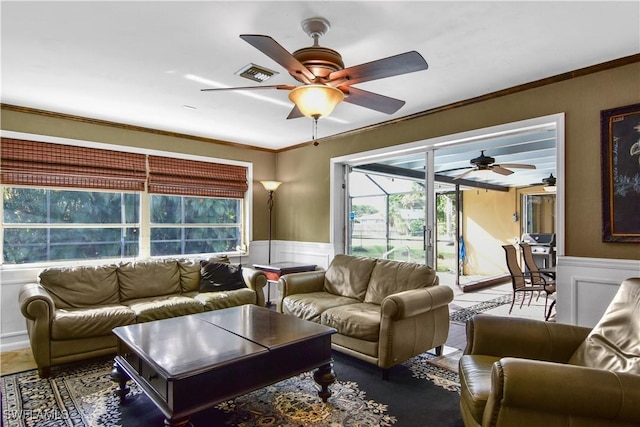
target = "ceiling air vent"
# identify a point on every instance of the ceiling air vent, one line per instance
(255, 72)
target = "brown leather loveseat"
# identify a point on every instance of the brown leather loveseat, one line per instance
(521, 372)
(71, 311)
(385, 311)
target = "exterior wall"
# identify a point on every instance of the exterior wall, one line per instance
(487, 225)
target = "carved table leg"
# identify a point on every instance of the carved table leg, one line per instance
(120, 377)
(325, 376)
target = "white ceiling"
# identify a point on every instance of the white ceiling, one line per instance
(138, 63)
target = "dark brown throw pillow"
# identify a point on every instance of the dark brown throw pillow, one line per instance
(218, 276)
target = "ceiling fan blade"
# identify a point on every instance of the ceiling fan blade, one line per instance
(275, 51)
(282, 87)
(295, 113)
(463, 174)
(373, 101)
(403, 63)
(502, 171)
(516, 166)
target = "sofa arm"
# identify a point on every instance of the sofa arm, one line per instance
(416, 301)
(38, 307)
(530, 392)
(256, 280)
(526, 338)
(301, 283)
(36, 303)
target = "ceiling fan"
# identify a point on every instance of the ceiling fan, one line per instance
(487, 163)
(321, 71)
(548, 183)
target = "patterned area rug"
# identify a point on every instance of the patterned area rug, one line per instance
(419, 393)
(462, 315)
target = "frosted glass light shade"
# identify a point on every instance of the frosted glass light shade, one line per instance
(316, 100)
(270, 185)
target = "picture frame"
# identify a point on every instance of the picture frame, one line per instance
(620, 158)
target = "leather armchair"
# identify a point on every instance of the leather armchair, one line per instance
(522, 372)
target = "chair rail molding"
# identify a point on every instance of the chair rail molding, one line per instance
(586, 286)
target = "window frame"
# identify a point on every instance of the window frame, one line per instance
(145, 200)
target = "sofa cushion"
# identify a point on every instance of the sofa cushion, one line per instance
(80, 287)
(146, 279)
(309, 306)
(348, 276)
(390, 277)
(218, 276)
(89, 322)
(614, 343)
(475, 383)
(189, 275)
(359, 320)
(226, 299)
(163, 307)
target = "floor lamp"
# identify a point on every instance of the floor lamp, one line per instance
(271, 187)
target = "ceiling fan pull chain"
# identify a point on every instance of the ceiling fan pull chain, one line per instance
(314, 131)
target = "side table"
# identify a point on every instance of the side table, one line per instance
(274, 270)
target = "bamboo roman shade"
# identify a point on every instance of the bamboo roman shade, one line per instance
(194, 178)
(44, 164)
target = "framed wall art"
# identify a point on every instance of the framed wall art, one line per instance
(620, 136)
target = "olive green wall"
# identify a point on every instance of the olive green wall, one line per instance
(303, 199)
(301, 209)
(263, 161)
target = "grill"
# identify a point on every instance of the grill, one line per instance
(543, 247)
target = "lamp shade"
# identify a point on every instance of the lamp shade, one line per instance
(316, 100)
(271, 185)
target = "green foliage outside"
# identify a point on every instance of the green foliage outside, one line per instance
(47, 225)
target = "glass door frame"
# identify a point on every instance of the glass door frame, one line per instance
(338, 217)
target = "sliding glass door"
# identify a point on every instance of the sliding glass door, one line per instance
(391, 213)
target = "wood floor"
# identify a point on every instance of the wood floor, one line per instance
(16, 361)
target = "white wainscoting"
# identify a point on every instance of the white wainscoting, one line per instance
(12, 324)
(13, 333)
(319, 254)
(586, 286)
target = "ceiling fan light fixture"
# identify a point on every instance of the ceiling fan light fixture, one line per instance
(316, 100)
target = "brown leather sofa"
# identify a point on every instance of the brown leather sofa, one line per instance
(71, 311)
(385, 311)
(520, 372)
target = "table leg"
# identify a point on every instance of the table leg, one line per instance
(120, 377)
(268, 303)
(180, 422)
(325, 376)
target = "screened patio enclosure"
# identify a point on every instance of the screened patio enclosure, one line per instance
(430, 205)
(387, 219)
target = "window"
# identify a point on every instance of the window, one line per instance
(44, 225)
(64, 202)
(192, 225)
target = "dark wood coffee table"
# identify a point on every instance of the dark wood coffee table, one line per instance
(190, 363)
